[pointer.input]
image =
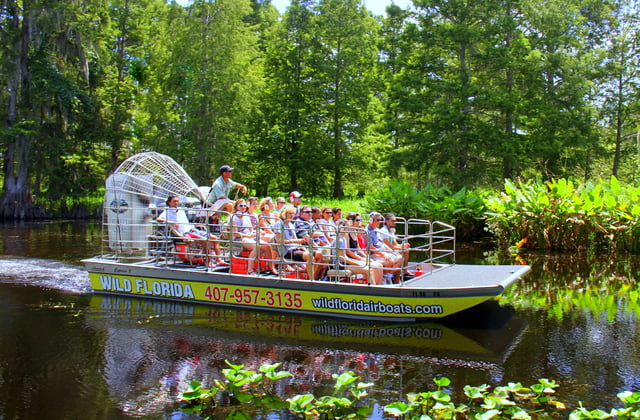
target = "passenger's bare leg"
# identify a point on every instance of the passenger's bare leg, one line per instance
(266, 250)
(216, 248)
(214, 242)
(376, 274)
(252, 257)
(322, 267)
(310, 264)
(405, 257)
(398, 268)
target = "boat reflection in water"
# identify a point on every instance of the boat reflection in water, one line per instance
(154, 348)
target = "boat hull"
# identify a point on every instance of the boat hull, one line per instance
(434, 295)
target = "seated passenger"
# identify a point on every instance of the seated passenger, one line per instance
(290, 245)
(336, 215)
(326, 223)
(252, 206)
(372, 271)
(315, 213)
(280, 202)
(390, 260)
(177, 220)
(246, 235)
(388, 235)
(295, 198)
(361, 235)
(267, 222)
(305, 226)
(266, 219)
(355, 250)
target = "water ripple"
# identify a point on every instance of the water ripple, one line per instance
(44, 273)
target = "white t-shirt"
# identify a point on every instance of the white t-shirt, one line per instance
(177, 217)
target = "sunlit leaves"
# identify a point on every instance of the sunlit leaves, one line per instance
(562, 215)
(463, 208)
(347, 402)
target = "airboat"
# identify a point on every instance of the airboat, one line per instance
(142, 257)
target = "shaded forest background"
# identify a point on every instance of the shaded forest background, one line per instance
(325, 99)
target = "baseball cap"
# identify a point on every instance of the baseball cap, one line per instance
(226, 168)
(295, 194)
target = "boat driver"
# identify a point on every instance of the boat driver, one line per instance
(219, 194)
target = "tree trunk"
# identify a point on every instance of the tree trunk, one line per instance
(618, 141)
(508, 158)
(16, 201)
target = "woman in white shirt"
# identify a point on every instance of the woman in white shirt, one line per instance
(245, 234)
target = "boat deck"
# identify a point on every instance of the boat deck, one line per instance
(468, 276)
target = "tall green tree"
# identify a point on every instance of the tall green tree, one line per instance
(48, 106)
(619, 86)
(316, 106)
(287, 101)
(495, 89)
(442, 117)
(560, 118)
(391, 61)
(348, 47)
(129, 29)
(213, 71)
(504, 60)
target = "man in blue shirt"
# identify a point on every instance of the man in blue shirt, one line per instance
(388, 235)
(391, 261)
(221, 187)
(304, 230)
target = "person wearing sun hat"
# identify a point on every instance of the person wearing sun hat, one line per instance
(219, 194)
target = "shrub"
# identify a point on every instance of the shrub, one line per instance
(560, 215)
(463, 209)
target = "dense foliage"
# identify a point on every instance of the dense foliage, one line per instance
(559, 214)
(325, 98)
(242, 392)
(463, 209)
(563, 215)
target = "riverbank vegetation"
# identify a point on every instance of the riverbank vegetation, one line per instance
(564, 215)
(558, 214)
(242, 392)
(324, 98)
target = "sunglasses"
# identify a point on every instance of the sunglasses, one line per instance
(241, 205)
(357, 220)
(328, 212)
(306, 212)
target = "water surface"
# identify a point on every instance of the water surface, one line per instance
(67, 353)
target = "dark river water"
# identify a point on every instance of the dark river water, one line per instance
(69, 354)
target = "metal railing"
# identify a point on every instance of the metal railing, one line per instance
(134, 235)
